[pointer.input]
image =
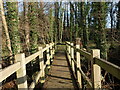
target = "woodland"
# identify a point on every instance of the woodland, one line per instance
(27, 25)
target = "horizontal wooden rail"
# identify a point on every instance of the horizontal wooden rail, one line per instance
(109, 67)
(32, 86)
(44, 49)
(83, 74)
(20, 66)
(6, 72)
(31, 57)
(96, 64)
(82, 52)
(85, 77)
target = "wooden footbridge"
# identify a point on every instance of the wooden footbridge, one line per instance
(64, 67)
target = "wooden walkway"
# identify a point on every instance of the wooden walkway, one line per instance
(59, 75)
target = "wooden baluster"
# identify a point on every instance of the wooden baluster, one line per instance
(67, 50)
(41, 63)
(72, 57)
(53, 48)
(66, 47)
(48, 57)
(21, 73)
(51, 53)
(78, 62)
(96, 72)
(69, 53)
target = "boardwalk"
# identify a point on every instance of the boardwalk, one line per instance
(59, 75)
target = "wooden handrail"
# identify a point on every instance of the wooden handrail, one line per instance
(31, 57)
(20, 66)
(109, 67)
(82, 52)
(6, 72)
(83, 74)
(97, 62)
(51, 44)
(85, 77)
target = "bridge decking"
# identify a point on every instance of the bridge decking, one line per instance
(59, 75)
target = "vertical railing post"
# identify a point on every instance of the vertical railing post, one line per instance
(41, 63)
(21, 73)
(78, 62)
(51, 53)
(48, 56)
(53, 48)
(69, 52)
(96, 72)
(66, 47)
(72, 58)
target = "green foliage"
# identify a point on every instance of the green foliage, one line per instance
(51, 19)
(12, 21)
(33, 22)
(99, 23)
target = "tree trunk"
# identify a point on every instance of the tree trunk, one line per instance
(26, 27)
(51, 25)
(6, 28)
(57, 21)
(101, 29)
(71, 21)
(12, 20)
(33, 22)
(118, 16)
(61, 25)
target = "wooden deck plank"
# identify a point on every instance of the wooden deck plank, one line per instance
(59, 75)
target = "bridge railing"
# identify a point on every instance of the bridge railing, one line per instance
(95, 62)
(20, 67)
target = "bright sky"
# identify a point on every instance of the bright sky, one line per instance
(108, 25)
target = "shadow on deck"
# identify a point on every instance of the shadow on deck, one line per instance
(60, 75)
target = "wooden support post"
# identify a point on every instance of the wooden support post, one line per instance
(54, 49)
(72, 58)
(51, 53)
(78, 62)
(48, 56)
(96, 77)
(21, 73)
(66, 47)
(41, 63)
(69, 52)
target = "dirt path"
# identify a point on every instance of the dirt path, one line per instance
(59, 75)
